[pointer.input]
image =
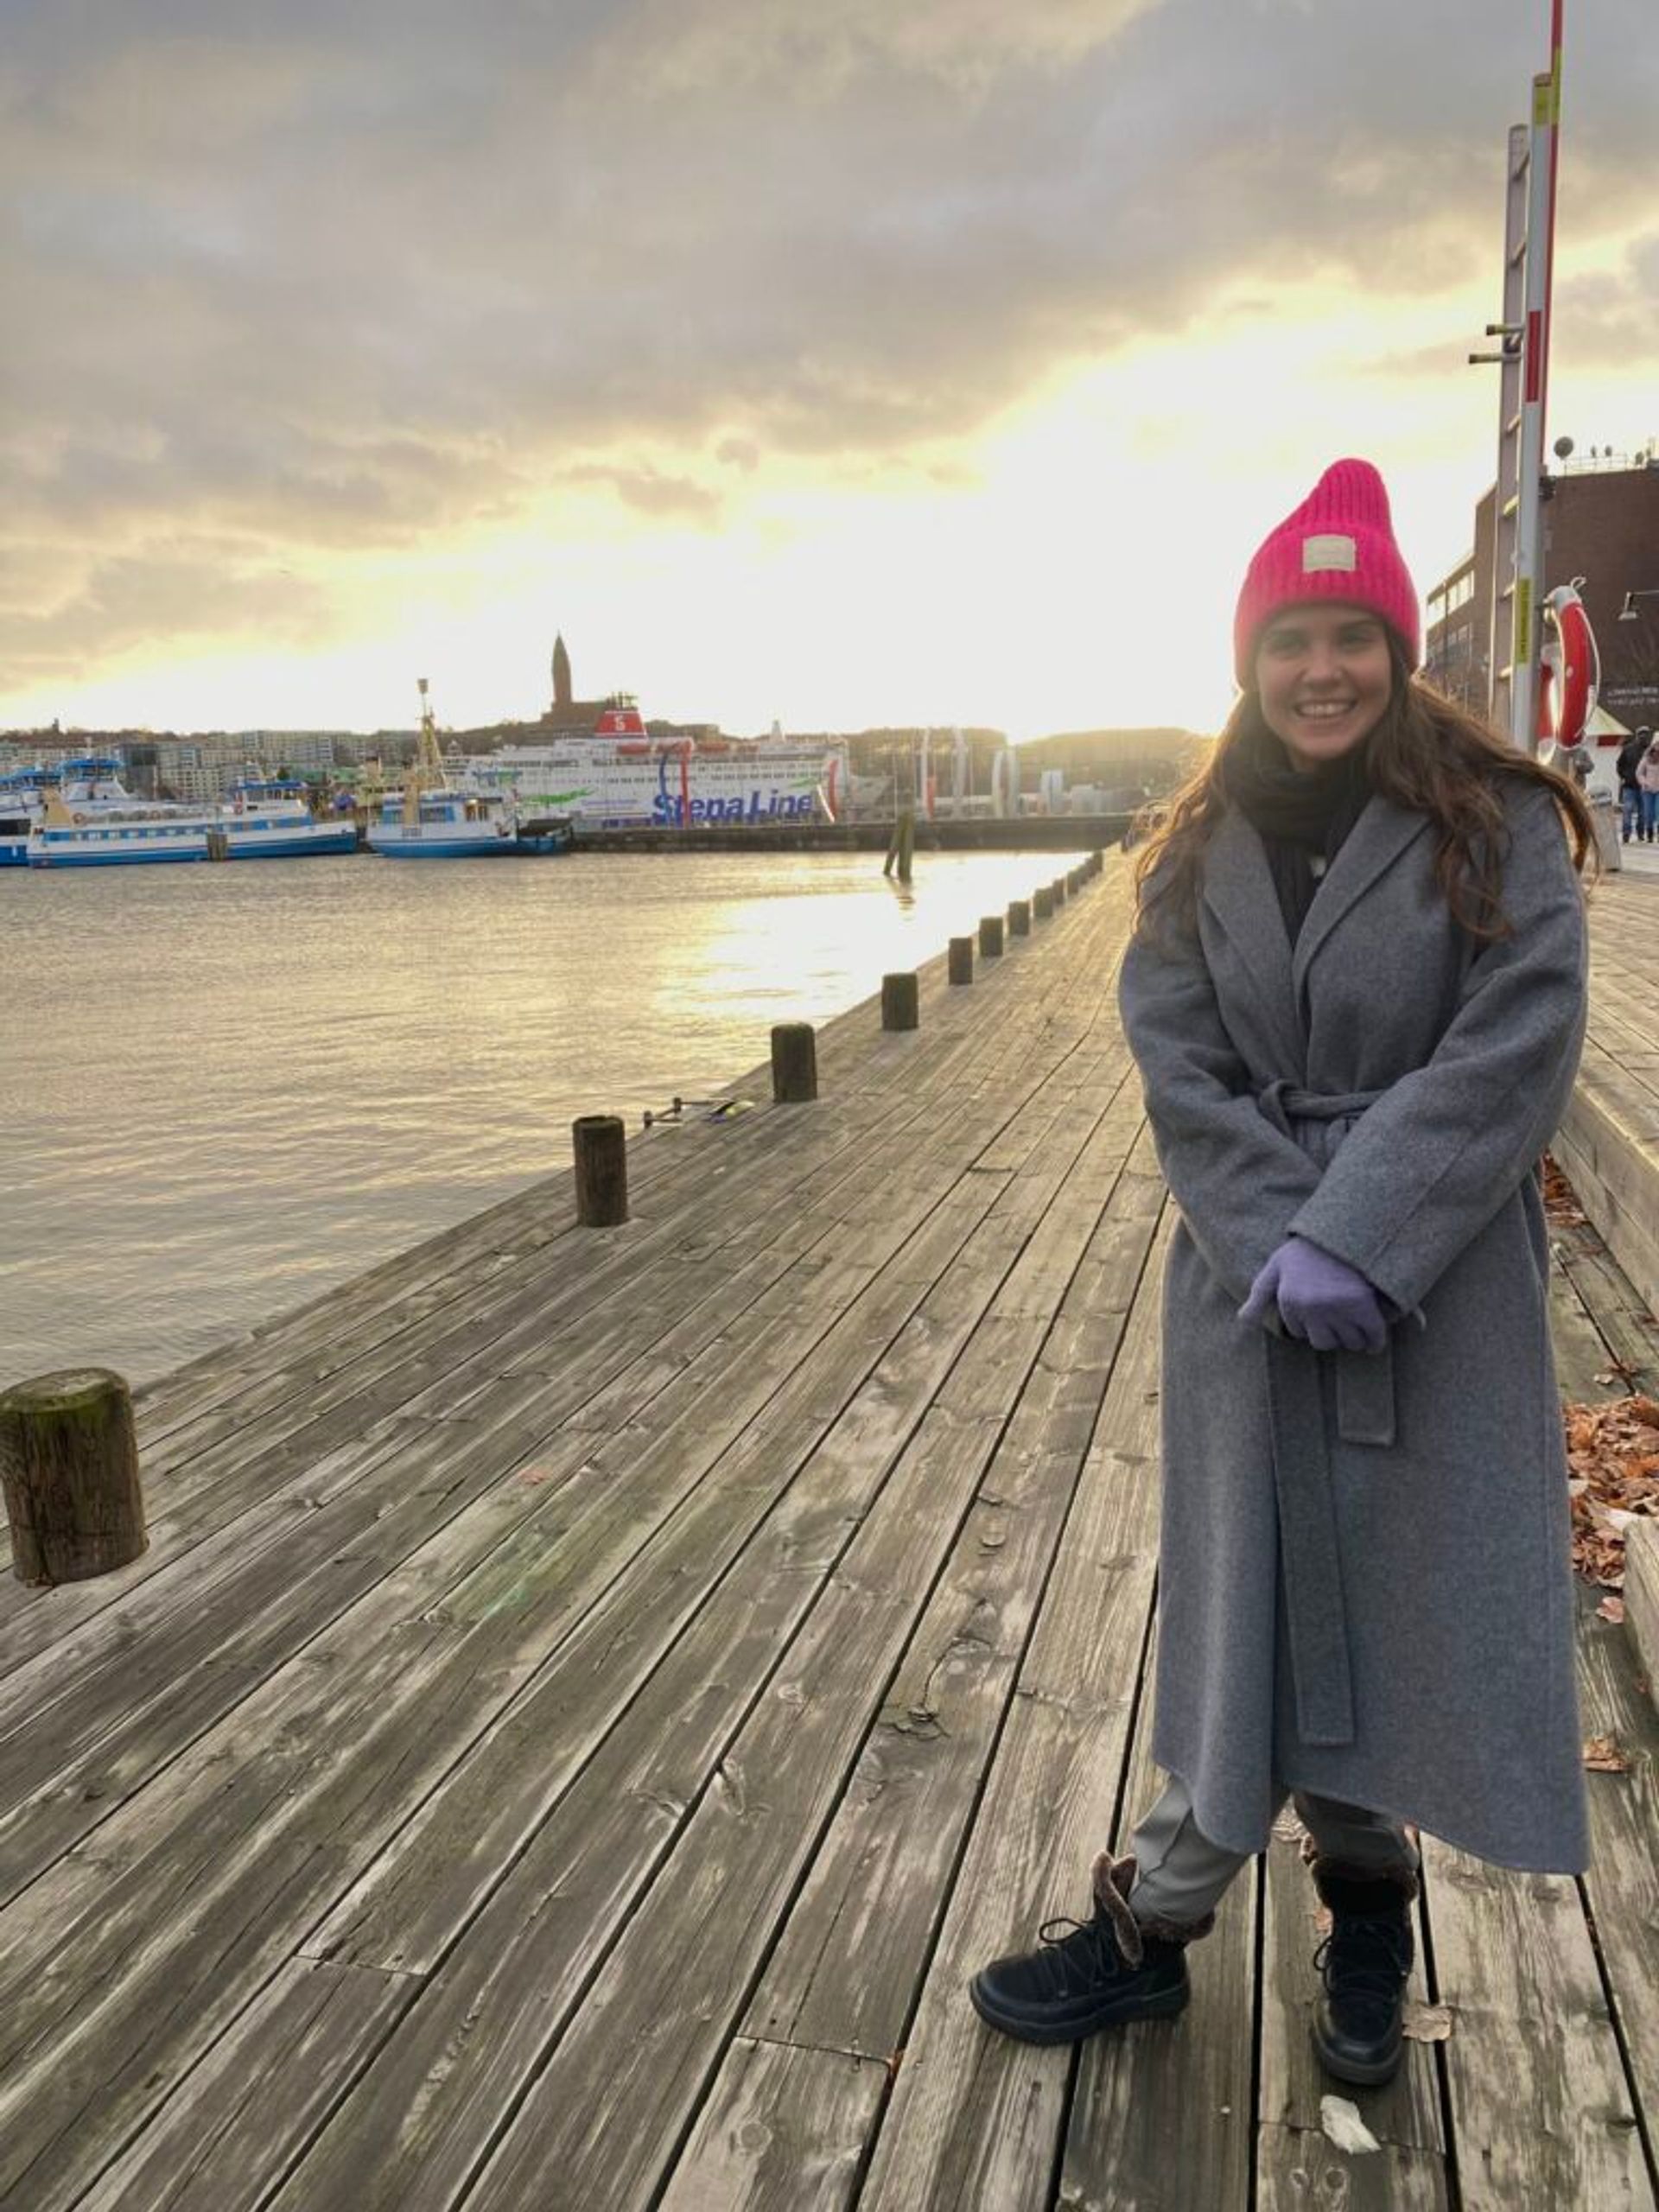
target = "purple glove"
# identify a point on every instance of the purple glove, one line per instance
(1320, 1298)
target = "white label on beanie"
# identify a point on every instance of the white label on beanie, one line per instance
(1330, 552)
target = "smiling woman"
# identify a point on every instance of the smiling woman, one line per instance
(1356, 994)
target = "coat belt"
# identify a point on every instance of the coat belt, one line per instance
(1309, 1550)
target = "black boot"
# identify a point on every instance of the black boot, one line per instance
(1089, 1974)
(1364, 1961)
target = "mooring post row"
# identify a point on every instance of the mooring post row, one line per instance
(601, 1150)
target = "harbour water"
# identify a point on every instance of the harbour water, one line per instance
(226, 1089)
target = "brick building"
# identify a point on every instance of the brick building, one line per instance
(1600, 524)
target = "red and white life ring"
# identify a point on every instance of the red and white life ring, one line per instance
(1569, 672)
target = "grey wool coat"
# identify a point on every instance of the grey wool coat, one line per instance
(1365, 1581)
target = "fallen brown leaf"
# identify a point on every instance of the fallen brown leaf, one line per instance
(1603, 1756)
(1613, 1469)
(1561, 1205)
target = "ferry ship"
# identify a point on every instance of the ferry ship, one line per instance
(622, 778)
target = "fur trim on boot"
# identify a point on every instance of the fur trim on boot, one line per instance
(1114, 1880)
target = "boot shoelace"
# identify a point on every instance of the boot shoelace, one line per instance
(1080, 1952)
(1365, 1962)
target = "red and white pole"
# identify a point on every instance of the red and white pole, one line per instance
(1526, 638)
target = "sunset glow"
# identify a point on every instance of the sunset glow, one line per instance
(841, 364)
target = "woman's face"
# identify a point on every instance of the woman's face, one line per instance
(1324, 676)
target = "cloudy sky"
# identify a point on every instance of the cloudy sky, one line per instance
(842, 361)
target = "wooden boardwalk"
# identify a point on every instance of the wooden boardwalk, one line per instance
(592, 1697)
(1610, 1141)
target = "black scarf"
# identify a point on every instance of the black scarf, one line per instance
(1303, 818)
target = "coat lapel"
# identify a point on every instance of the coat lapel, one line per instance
(1238, 891)
(1377, 840)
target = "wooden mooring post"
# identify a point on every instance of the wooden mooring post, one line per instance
(601, 1148)
(69, 1466)
(901, 1002)
(1058, 891)
(794, 1064)
(1019, 918)
(960, 960)
(1042, 903)
(990, 936)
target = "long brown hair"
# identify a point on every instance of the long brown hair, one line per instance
(1427, 753)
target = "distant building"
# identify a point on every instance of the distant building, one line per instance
(1600, 525)
(568, 716)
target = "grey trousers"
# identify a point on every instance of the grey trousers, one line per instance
(1180, 1874)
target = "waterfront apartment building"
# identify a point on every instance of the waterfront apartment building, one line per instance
(1600, 529)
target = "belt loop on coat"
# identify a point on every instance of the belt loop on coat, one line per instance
(1308, 1549)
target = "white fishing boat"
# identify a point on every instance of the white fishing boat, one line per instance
(432, 818)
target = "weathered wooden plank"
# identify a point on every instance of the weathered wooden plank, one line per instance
(1161, 2113)
(242, 2117)
(837, 1439)
(1642, 1598)
(845, 1970)
(607, 2109)
(1622, 1885)
(353, 1790)
(148, 1693)
(654, 2036)
(524, 1964)
(1540, 2112)
(1584, 1358)
(1297, 2170)
(1624, 1324)
(975, 2118)
(781, 2131)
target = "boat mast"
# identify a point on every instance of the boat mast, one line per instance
(427, 771)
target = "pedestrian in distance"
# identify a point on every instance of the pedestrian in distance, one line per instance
(1355, 989)
(1629, 789)
(1647, 785)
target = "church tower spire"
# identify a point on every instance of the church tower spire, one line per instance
(561, 693)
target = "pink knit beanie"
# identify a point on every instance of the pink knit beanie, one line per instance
(1338, 544)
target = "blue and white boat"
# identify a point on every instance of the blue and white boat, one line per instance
(270, 820)
(63, 837)
(420, 823)
(433, 819)
(98, 823)
(90, 785)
